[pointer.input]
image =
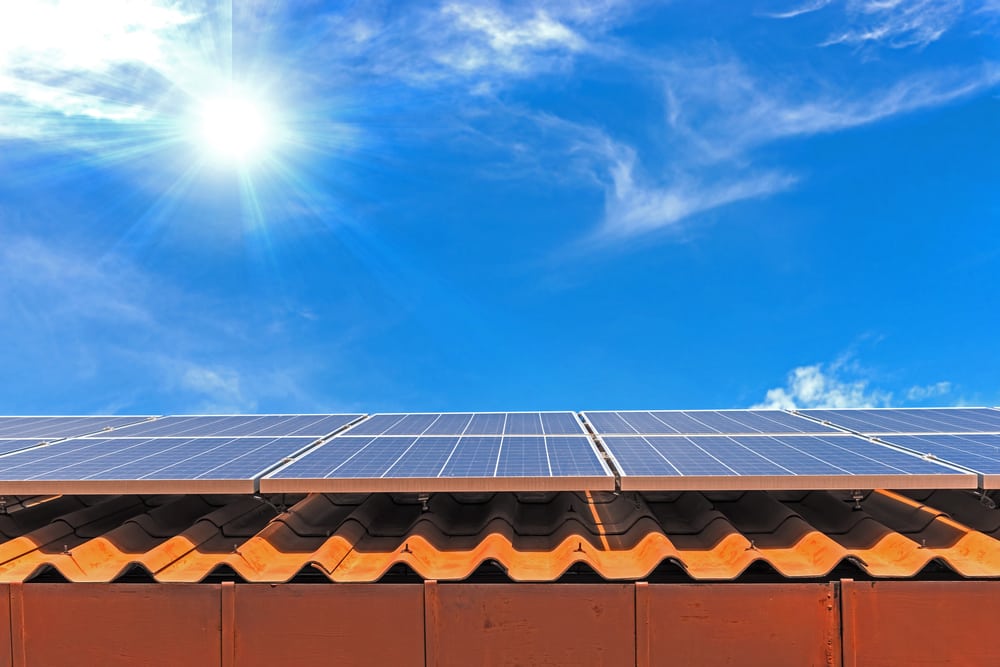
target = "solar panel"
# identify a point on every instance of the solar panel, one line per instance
(53, 428)
(471, 423)
(977, 452)
(432, 463)
(215, 426)
(146, 465)
(877, 421)
(800, 462)
(696, 422)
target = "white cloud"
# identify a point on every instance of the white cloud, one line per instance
(806, 8)
(632, 208)
(923, 392)
(897, 23)
(721, 110)
(472, 45)
(834, 385)
(507, 35)
(55, 56)
(719, 115)
(221, 388)
(71, 316)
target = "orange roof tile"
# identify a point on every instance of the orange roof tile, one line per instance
(531, 537)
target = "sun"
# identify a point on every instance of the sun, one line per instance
(235, 129)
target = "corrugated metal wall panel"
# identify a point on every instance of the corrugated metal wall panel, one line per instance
(524, 624)
(118, 624)
(352, 624)
(243, 625)
(797, 625)
(891, 623)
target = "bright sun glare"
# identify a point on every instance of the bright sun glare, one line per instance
(234, 129)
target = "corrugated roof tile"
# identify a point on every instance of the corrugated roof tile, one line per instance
(532, 537)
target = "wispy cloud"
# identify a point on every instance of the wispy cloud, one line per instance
(632, 208)
(719, 115)
(924, 392)
(72, 316)
(496, 39)
(723, 110)
(805, 8)
(897, 23)
(475, 46)
(221, 388)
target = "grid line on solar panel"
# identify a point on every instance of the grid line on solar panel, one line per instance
(58, 427)
(885, 421)
(697, 422)
(237, 426)
(447, 456)
(470, 423)
(771, 461)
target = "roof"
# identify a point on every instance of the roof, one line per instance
(696, 536)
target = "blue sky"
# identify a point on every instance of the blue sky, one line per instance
(491, 206)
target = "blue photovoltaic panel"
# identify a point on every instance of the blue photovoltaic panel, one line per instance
(231, 426)
(371, 457)
(974, 451)
(696, 422)
(765, 457)
(149, 458)
(54, 428)
(912, 420)
(468, 423)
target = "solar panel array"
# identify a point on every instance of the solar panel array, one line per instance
(451, 452)
(503, 451)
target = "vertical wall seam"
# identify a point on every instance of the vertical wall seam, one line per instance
(227, 623)
(10, 624)
(847, 639)
(431, 605)
(17, 651)
(642, 657)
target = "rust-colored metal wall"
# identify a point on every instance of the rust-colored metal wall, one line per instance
(530, 624)
(737, 624)
(114, 624)
(920, 623)
(844, 623)
(352, 624)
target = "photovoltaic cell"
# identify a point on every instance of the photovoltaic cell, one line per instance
(481, 423)
(696, 422)
(774, 461)
(54, 428)
(216, 426)
(878, 421)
